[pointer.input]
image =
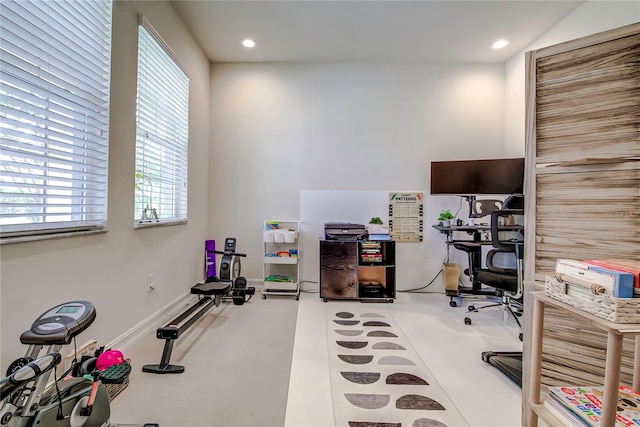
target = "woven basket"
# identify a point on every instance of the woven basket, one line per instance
(115, 389)
(617, 310)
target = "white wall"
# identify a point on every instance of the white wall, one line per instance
(110, 269)
(279, 129)
(590, 18)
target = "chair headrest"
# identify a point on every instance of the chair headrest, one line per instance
(514, 201)
(482, 208)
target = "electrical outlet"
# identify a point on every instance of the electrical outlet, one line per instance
(150, 284)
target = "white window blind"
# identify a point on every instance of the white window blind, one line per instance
(54, 105)
(161, 133)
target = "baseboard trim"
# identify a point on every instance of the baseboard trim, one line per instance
(151, 322)
(168, 311)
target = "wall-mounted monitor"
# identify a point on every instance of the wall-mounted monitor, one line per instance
(468, 177)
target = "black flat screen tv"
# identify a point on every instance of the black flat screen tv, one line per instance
(468, 177)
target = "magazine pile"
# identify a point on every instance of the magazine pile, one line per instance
(582, 406)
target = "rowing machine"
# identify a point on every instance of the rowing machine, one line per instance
(210, 293)
(230, 270)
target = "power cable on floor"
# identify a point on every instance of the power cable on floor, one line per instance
(446, 259)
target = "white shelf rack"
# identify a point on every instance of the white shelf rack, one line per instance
(281, 258)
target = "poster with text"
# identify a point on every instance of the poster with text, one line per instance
(405, 217)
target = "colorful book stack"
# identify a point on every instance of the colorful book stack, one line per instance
(627, 270)
(587, 275)
(370, 252)
(582, 406)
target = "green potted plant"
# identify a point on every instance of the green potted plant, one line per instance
(376, 226)
(445, 217)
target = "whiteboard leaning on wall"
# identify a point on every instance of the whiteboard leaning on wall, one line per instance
(414, 264)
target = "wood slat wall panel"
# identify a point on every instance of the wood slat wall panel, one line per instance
(590, 97)
(601, 62)
(586, 215)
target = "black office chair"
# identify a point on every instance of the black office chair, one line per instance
(504, 263)
(473, 249)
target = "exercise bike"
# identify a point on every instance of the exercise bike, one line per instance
(71, 401)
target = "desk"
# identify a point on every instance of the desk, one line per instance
(475, 230)
(480, 236)
(468, 228)
(615, 333)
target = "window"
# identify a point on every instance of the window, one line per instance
(54, 105)
(161, 133)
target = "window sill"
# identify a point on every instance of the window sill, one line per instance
(35, 237)
(138, 225)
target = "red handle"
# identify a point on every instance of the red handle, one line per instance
(92, 396)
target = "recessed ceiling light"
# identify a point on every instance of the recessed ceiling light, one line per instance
(499, 44)
(249, 43)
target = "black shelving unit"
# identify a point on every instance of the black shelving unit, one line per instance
(362, 270)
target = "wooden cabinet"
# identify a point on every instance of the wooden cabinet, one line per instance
(338, 269)
(363, 270)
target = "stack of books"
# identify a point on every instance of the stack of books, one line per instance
(371, 257)
(625, 270)
(370, 252)
(378, 232)
(582, 406)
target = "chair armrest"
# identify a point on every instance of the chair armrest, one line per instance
(509, 246)
(467, 246)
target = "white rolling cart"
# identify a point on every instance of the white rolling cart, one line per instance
(281, 258)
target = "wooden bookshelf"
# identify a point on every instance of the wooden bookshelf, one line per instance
(615, 333)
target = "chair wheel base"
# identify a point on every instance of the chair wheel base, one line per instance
(467, 321)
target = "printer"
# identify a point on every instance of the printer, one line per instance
(344, 231)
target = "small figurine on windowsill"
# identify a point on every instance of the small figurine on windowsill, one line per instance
(149, 215)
